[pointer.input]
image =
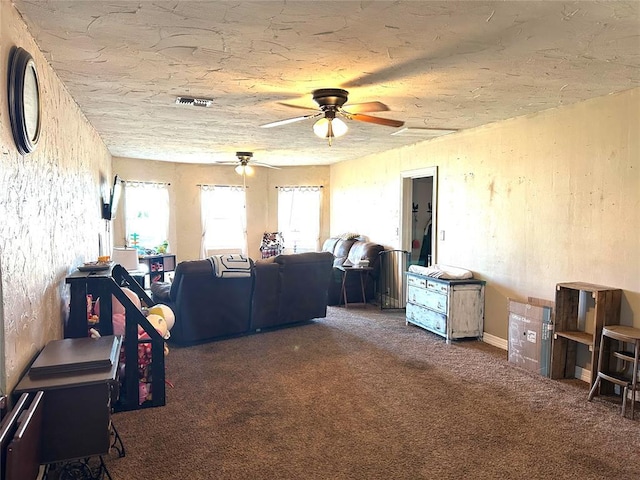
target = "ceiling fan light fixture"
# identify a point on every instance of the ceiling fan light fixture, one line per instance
(330, 128)
(244, 170)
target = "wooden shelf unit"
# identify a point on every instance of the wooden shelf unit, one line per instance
(104, 284)
(578, 336)
(568, 333)
(158, 265)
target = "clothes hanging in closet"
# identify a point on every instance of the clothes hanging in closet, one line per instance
(425, 250)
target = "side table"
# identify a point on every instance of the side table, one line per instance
(362, 271)
(78, 396)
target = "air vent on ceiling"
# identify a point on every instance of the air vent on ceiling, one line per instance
(422, 132)
(196, 102)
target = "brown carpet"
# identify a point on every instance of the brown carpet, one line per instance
(360, 395)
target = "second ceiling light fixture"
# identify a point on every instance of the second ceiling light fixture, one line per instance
(244, 164)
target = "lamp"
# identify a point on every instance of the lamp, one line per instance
(243, 169)
(329, 126)
(128, 258)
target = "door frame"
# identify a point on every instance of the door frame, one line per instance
(406, 214)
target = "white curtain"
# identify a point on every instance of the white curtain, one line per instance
(299, 210)
(223, 217)
(146, 214)
(203, 222)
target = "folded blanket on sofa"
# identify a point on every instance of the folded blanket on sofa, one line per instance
(231, 265)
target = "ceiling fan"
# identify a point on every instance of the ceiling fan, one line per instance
(331, 103)
(242, 164)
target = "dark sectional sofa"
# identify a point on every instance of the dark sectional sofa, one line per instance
(281, 290)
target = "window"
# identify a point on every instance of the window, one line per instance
(299, 218)
(223, 218)
(146, 214)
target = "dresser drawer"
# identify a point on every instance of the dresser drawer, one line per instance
(438, 287)
(428, 283)
(420, 282)
(425, 318)
(428, 298)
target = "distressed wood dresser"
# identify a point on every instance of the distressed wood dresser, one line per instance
(451, 308)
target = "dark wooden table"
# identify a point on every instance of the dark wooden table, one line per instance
(77, 402)
(362, 271)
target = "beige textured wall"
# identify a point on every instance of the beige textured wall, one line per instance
(49, 206)
(262, 213)
(525, 204)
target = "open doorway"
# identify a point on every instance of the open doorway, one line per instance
(419, 219)
(422, 212)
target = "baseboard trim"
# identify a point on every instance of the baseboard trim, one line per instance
(580, 373)
(583, 374)
(495, 341)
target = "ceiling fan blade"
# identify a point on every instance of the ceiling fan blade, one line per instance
(441, 54)
(424, 131)
(289, 120)
(291, 105)
(226, 163)
(366, 107)
(377, 120)
(258, 164)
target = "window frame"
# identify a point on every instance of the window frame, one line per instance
(206, 219)
(307, 246)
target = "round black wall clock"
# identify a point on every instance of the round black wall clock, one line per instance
(24, 100)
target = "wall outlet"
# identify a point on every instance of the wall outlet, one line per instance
(441, 234)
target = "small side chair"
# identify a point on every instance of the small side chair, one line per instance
(619, 366)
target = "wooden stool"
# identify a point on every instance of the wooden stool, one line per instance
(626, 379)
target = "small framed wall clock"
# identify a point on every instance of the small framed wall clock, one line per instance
(24, 100)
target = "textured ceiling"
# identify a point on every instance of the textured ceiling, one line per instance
(451, 65)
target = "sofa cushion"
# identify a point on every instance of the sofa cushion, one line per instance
(262, 261)
(187, 268)
(343, 247)
(208, 307)
(352, 251)
(304, 281)
(265, 299)
(329, 244)
(292, 288)
(340, 249)
(160, 291)
(365, 250)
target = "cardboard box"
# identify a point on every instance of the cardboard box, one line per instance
(530, 334)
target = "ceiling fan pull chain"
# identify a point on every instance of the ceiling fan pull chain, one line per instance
(330, 131)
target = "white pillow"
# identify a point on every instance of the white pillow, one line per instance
(446, 272)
